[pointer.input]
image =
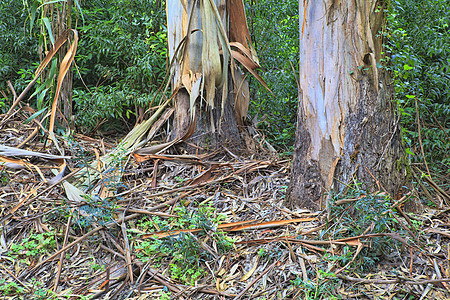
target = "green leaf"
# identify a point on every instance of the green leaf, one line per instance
(33, 14)
(53, 1)
(407, 67)
(35, 115)
(79, 9)
(49, 29)
(408, 151)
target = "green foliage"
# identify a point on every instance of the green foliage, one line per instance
(274, 29)
(121, 57)
(370, 213)
(165, 295)
(418, 42)
(185, 248)
(4, 177)
(34, 245)
(9, 288)
(18, 49)
(324, 287)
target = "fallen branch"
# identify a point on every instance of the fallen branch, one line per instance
(393, 281)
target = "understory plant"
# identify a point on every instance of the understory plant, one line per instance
(186, 250)
(418, 47)
(366, 213)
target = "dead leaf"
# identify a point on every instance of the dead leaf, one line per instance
(252, 270)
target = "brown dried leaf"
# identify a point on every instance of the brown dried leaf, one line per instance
(251, 271)
(65, 65)
(239, 29)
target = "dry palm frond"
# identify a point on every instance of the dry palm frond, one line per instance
(207, 55)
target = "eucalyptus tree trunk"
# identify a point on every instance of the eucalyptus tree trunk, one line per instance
(347, 126)
(202, 83)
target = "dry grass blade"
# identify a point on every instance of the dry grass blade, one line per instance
(250, 66)
(59, 42)
(63, 69)
(232, 227)
(11, 151)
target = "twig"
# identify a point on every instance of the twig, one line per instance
(146, 212)
(43, 192)
(399, 201)
(127, 249)
(388, 142)
(161, 280)
(112, 251)
(436, 187)
(12, 90)
(377, 181)
(437, 122)
(254, 281)
(392, 281)
(29, 138)
(16, 279)
(61, 258)
(75, 242)
(424, 189)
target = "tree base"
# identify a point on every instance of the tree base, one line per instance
(214, 127)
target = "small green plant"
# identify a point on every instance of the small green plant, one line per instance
(323, 288)
(10, 288)
(4, 178)
(164, 294)
(180, 179)
(40, 292)
(95, 210)
(185, 248)
(261, 252)
(34, 245)
(371, 214)
(97, 267)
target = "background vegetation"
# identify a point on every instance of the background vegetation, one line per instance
(418, 47)
(121, 61)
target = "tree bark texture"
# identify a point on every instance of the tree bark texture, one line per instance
(216, 122)
(347, 127)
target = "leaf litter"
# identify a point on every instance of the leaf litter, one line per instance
(86, 218)
(122, 237)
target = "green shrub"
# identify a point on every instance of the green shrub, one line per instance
(274, 29)
(418, 41)
(184, 249)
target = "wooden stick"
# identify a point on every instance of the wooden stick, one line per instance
(76, 242)
(254, 281)
(61, 258)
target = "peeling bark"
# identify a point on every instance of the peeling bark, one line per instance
(346, 121)
(216, 122)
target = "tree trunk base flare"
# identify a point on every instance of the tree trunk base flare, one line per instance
(214, 128)
(373, 155)
(348, 130)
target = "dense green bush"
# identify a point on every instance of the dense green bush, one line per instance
(274, 29)
(121, 56)
(18, 49)
(419, 47)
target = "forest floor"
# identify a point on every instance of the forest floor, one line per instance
(210, 226)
